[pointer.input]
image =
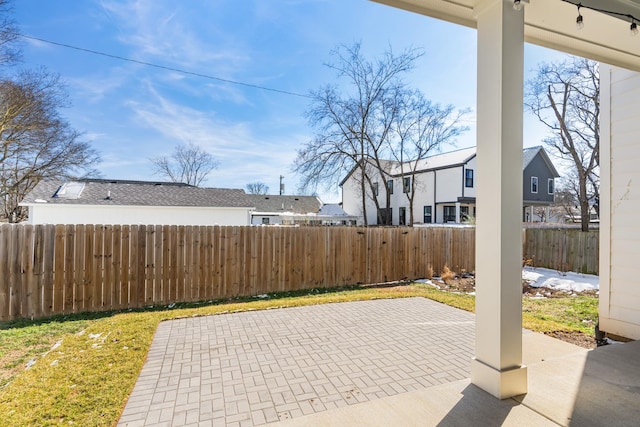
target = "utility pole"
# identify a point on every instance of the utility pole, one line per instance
(281, 185)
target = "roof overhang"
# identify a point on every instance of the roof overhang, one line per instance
(551, 23)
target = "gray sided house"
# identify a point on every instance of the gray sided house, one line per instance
(296, 210)
(102, 201)
(538, 184)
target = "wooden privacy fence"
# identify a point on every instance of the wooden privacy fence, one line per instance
(57, 269)
(564, 249)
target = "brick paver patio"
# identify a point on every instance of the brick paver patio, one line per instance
(259, 367)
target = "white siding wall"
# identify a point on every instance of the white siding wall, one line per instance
(58, 214)
(449, 184)
(352, 201)
(620, 190)
(471, 191)
(423, 197)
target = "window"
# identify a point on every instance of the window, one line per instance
(375, 188)
(406, 187)
(402, 220)
(449, 214)
(468, 178)
(534, 184)
(265, 221)
(427, 215)
(550, 186)
(390, 186)
(385, 216)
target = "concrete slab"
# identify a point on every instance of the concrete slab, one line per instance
(609, 390)
(454, 404)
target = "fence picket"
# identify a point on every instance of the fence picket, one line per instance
(47, 269)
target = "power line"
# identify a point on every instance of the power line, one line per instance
(164, 67)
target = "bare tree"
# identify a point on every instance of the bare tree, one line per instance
(36, 142)
(565, 204)
(189, 164)
(565, 97)
(420, 128)
(10, 52)
(351, 122)
(257, 188)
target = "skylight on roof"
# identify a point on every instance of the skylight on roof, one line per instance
(70, 190)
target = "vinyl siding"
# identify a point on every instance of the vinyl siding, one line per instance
(620, 219)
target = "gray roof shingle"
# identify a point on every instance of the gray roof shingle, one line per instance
(277, 203)
(139, 193)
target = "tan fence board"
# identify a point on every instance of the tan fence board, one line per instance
(49, 269)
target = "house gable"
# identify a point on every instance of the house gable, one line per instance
(537, 171)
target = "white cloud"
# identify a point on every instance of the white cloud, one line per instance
(244, 156)
(166, 31)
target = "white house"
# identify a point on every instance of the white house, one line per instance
(444, 190)
(296, 210)
(502, 30)
(98, 201)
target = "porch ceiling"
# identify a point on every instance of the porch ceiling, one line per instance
(551, 23)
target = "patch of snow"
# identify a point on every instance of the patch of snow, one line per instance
(427, 282)
(30, 363)
(94, 336)
(173, 304)
(262, 296)
(569, 281)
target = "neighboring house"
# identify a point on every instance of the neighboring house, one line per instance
(296, 210)
(446, 188)
(101, 201)
(538, 184)
(333, 214)
(497, 366)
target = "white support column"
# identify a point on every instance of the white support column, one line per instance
(457, 212)
(497, 365)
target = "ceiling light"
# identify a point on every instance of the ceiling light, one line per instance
(579, 20)
(634, 29)
(517, 4)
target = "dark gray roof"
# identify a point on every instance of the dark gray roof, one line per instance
(138, 193)
(277, 203)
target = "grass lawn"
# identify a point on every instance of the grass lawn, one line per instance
(86, 377)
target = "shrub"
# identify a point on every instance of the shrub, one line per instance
(447, 275)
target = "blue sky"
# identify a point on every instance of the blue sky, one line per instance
(131, 112)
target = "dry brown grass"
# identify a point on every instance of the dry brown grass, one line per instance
(447, 275)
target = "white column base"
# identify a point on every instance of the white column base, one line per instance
(501, 384)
